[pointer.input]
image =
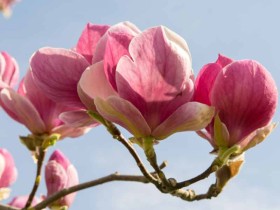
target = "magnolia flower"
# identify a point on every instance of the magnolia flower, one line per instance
(9, 72)
(57, 71)
(245, 97)
(144, 82)
(30, 107)
(20, 201)
(5, 6)
(60, 174)
(8, 173)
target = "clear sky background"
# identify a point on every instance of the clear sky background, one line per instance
(239, 29)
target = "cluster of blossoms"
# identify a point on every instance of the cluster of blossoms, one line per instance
(142, 81)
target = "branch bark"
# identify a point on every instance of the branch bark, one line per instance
(211, 169)
(82, 186)
(5, 207)
(116, 134)
(37, 181)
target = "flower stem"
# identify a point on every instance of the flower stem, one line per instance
(212, 168)
(150, 153)
(116, 134)
(41, 157)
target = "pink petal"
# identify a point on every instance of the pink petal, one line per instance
(72, 176)
(158, 78)
(122, 112)
(192, 116)
(72, 181)
(89, 39)
(206, 78)
(57, 72)
(204, 82)
(93, 83)
(60, 174)
(256, 136)
(76, 124)
(55, 176)
(60, 158)
(223, 60)
(70, 131)
(118, 39)
(9, 71)
(48, 109)
(207, 136)
(78, 118)
(245, 96)
(22, 110)
(120, 28)
(2, 166)
(8, 174)
(2, 64)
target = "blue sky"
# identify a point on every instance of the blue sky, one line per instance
(239, 29)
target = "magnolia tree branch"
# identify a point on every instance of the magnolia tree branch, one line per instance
(140, 164)
(116, 134)
(41, 157)
(163, 184)
(152, 159)
(212, 168)
(109, 178)
(5, 207)
(189, 195)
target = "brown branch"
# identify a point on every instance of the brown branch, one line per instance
(116, 134)
(41, 157)
(212, 168)
(5, 207)
(189, 195)
(165, 185)
(158, 178)
(109, 178)
(139, 162)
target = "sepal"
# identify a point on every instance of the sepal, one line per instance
(229, 170)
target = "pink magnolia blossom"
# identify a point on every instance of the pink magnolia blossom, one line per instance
(245, 97)
(60, 174)
(57, 71)
(9, 72)
(8, 173)
(30, 107)
(20, 201)
(143, 81)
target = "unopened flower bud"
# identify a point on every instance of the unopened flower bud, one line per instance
(60, 174)
(245, 97)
